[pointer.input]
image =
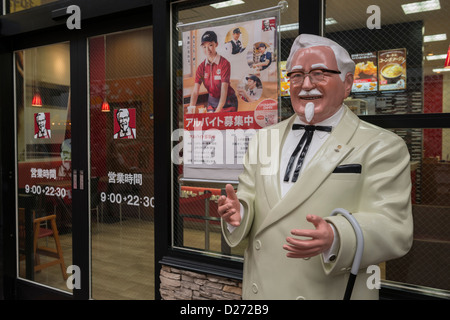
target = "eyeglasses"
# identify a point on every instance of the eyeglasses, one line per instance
(315, 76)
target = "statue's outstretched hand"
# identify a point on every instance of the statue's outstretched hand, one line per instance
(320, 239)
(229, 207)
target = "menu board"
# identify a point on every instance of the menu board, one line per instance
(392, 69)
(366, 74)
(379, 70)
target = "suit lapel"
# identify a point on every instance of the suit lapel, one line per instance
(329, 156)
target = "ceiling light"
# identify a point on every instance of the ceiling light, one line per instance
(440, 70)
(435, 37)
(421, 6)
(447, 60)
(330, 21)
(105, 106)
(288, 27)
(437, 57)
(294, 26)
(37, 100)
(225, 4)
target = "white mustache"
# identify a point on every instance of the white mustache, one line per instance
(312, 92)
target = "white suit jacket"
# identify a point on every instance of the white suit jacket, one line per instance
(361, 168)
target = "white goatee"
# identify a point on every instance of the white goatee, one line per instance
(309, 111)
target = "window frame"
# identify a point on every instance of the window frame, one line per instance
(203, 263)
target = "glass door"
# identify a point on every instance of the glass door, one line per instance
(84, 154)
(121, 164)
(44, 168)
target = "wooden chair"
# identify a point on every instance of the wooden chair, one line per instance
(40, 232)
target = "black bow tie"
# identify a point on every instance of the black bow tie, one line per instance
(297, 126)
(307, 136)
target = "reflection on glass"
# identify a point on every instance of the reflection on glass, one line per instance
(430, 195)
(44, 165)
(122, 186)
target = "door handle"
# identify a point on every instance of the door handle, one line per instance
(81, 180)
(75, 183)
(74, 179)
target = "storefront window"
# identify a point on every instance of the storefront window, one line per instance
(44, 152)
(242, 42)
(122, 170)
(399, 58)
(12, 6)
(424, 265)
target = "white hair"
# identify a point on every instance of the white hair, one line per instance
(122, 110)
(343, 59)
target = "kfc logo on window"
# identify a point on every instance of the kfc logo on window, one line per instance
(42, 125)
(125, 123)
(268, 25)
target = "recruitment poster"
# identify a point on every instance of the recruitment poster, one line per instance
(230, 90)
